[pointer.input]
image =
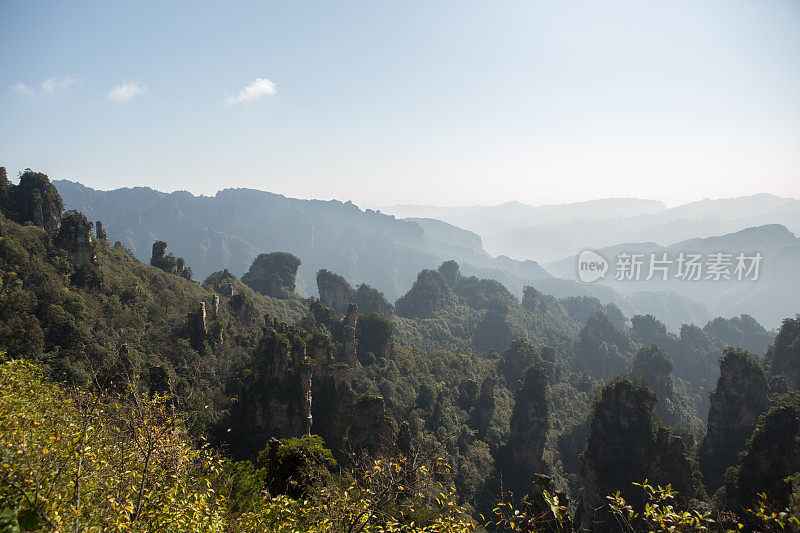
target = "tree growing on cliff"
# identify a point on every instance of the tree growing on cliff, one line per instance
(625, 445)
(529, 424)
(783, 357)
(736, 405)
(602, 349)
(769, 458)
(168, 262)
(428, 294)
(34, 200)
(273, 274)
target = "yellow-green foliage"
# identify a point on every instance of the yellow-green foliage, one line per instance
(74, 461)
(386, 497)
(660, 512)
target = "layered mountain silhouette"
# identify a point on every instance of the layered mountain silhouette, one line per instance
(228, 230)
(231, 228)
(770, 298)
(552, 232)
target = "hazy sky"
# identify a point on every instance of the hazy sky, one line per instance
(432, 102)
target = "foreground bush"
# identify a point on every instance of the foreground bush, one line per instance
(71, 460)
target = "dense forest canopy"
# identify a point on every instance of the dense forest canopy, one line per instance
(136, 398)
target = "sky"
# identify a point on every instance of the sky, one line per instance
(417, 102)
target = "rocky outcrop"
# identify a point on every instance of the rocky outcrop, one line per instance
(303, 386)
(371, 300)
(34, 200)
(375, 337)
(305, 392)
(515, 359)
(276, 400)
(529, 424)
(157, 259)
(481, 415)
(451, 272)
(602, 349)
(75, 237)
(624, 446)
(350, 349)
(769, 459)
(403, 442)
(198, 328)
(168, 262)
(273, 274)
(654, 366)
(646, 329)
(100, 231)
(334, 291)
(783, 357)
(736, 404)
(371, 429)
(334, 401)
(428, 294)
(242, 308)
(536, 507)
(467, 394)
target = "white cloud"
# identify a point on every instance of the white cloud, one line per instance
(125, 92)
(257, 89)
(21, 88)
(53, 84)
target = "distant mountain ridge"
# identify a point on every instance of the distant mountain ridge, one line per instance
(486, 220)
(774, 296)
(229, 229)
(550, 233)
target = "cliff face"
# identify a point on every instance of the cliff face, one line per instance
(75, 237)
(303, 385)
(602, 349)
(624, 445)
(371, 300)
(34, 200)
(168, 262)
(736, 404)
(272, 401)
(783, 357)
(654, 366)
(334, 291)
(429, 294)
(371, 428)
(375, 335)
(769, 459)
(529, 424)
(515, 360)
(273, 274)
(351, 321)
(481, 415)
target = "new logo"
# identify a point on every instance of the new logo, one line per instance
(591, 266)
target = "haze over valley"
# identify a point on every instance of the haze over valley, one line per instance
(400, 267)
